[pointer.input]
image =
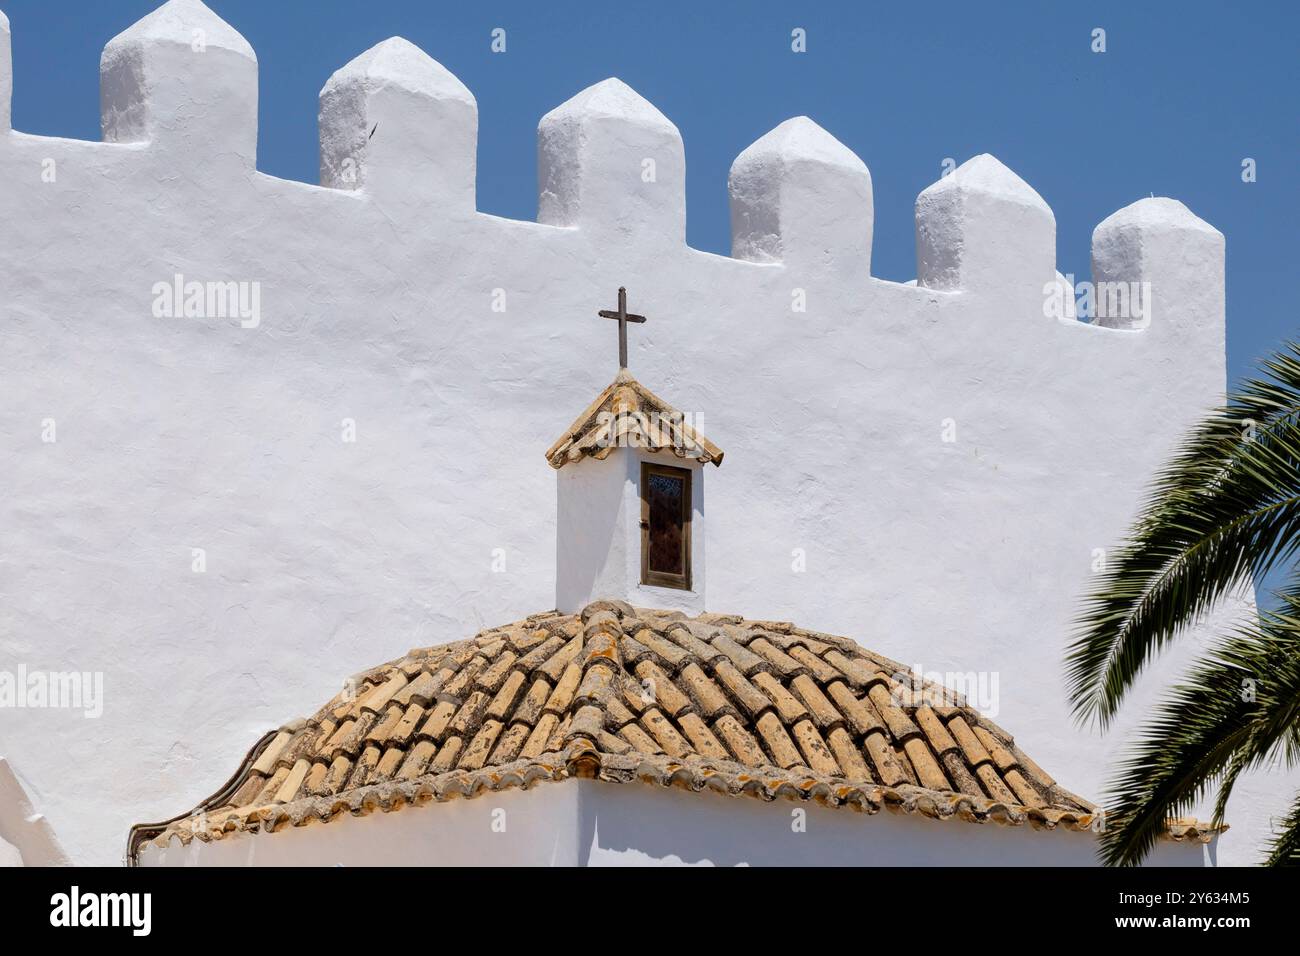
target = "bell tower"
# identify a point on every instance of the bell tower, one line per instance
(630, 495)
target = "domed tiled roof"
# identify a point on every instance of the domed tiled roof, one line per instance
(621, 694)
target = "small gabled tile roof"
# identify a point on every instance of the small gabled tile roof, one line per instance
(627, 414)
(618, 694)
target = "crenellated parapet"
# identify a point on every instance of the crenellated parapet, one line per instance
(1158, 251)
(608, 161)
(983, 227)
(397, 124)
(800, 196)
(182, 80)
(398, 130)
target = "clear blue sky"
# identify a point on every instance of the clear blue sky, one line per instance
(1185, 91)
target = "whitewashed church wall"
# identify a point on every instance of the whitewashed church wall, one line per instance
(226, 512)
(590, 823)
(537, 827)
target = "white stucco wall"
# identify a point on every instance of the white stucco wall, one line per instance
(589, 823)
(26, 838)
(323, 556)
(538, 827)
(598, 534)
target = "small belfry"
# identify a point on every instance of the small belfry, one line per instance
(630, 495)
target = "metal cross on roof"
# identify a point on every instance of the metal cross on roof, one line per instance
(623, 317)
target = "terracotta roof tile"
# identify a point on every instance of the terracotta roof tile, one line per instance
(627, 413)
(862, 717)
(639, 739)
(417, 761)
(963, 781)
(540, 654)
(566, 686)
(503, 704)
(389, 763)
(1002, 757)
(337, 774)
(459, 685)
(708, 696)
(510, 744)
(816, 754)
(665, 692)
(695, 644)
(787, 705)
(480, 747)
(266, 763)
(884, 760)
(608, 743)
(739, 741)
(934, 730)
(362, 768)
(993, 785)
(377, 699)
(596, 686)
(701, 738)
(537, 740)
(469, 716)
(670, 654)
(617, 715)
(556, 741)
(661, 728)
(289, 789)
(777, 742)
(927, 769)
(1026, 794)
(970, 744)
(445, 759)
(860, 672)
(539, 692)
(559, 662)
(624, 694)
(379, 733)
(744, 659)
(436, 725)
(632, 650)
(899, 724)
(782, 663)
(1037, 773)
(752, 700)
(847, 755)
(822, 710)
(405, 728)
(495, 675)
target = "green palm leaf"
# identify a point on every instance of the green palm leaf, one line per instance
(1236, 710)
(1286, 847)
(1225, 510)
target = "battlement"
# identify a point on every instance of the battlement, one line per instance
(400, 131)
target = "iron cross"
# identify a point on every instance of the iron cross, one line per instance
(623, 317)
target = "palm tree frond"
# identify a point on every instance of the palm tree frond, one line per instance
(1285, 848)
(1236, 709)
(1226, 509)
